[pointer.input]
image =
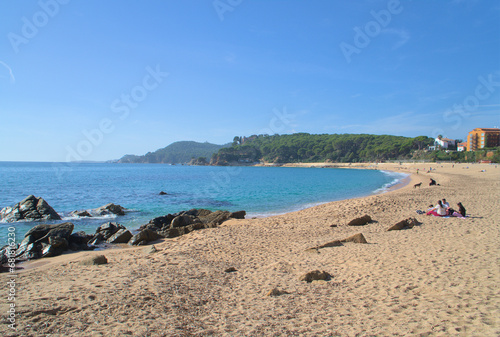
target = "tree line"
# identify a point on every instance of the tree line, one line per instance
(304, 147)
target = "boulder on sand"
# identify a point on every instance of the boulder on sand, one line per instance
(361, 221)
(31, 208)
(315, 275)
(404, 224)
(356, 238)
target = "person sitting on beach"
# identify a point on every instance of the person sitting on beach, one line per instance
(446, 205)
(461, 209)
(437, 210)
(433, 182)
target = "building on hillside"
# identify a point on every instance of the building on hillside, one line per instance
(462, 147)
(444, 143)
(480, 138)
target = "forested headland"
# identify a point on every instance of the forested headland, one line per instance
(336, 148)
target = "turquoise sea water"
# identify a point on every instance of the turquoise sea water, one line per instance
(260, 191)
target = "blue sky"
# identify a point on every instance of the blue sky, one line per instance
(95, 80)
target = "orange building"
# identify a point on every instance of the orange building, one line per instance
(483, 137)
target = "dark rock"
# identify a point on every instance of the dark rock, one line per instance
(97, 239)
(404, 224)
(144, 236)
(33, 251)
(183, 220)
(94, 260)
(162, 221)
(276, 292)
(170, 233)
(24, 245)
(163, 193)
(109, 229)
(80, 214)
(122, 236)
(230, 270)
(29, 209)
(80, 238)
(356, 238)
(110, 209)
(335, 243)
(214, 219)
(203, 212)
(57, 245)
(238, 215)
(43, 231)
(360, 221)
(63, 230)
(315, 276)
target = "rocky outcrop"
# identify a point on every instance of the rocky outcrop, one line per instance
(105, 232)
(80, 214)
(361, 221)
(144, 237)
(30, 209)
(173, 225)
(121, 236)
(45, 241)
(110, 209)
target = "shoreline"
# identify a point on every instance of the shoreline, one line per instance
(405, 182)
(438, 278)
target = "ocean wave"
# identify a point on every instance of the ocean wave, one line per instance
(398, 177)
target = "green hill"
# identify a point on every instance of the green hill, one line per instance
(304, 147)
(176, 153)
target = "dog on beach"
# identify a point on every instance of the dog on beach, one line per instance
(417, 185)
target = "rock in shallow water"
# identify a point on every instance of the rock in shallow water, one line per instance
(31, 208)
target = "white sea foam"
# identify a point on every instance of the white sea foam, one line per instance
(398, 178)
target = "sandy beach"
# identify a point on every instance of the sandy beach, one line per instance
(440, 278)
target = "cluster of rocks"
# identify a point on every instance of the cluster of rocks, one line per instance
(29, 209)
(50, 240)
(108, 209)
(33, 209)
(173, 225)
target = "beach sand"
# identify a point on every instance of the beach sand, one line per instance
(440, 278)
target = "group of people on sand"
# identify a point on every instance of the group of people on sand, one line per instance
(443, 208)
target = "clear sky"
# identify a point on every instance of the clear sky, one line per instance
(95, 80)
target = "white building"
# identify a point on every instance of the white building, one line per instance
(444, 142)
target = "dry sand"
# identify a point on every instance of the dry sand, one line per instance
(437, 279)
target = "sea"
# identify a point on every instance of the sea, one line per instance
(260, 191)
